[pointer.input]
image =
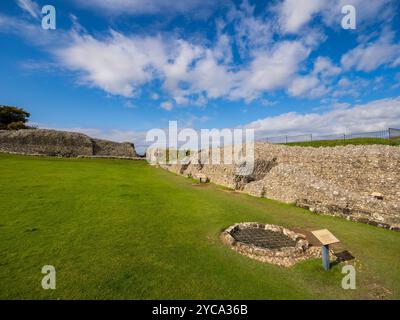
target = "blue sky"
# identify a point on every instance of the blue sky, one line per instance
(114, 69)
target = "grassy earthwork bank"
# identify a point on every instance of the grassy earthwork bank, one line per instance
(342, 142)
(118, 229)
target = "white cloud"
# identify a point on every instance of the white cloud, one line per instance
(192, 121)
(344, 82)
(211, 77)
(176, 70)
(121, 65)
(275, 69)
(369, 56)
(340, 105)
(250, 31)
(181, 100)
(139, 7)
(117, 64)
(223, 49)
(366, 14)
(17, 26)
(324, 67)
(33, 32)
(352, 92)
(155, 96)
(350, 87)
(270, 70)
(195, 70)
(294, 14)
(130, 105)
(303, 85)
(315, 84)
(372, 116)
(167, 105)
(396, 63)
(30, 7)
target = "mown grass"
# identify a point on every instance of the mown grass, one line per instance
(118, 229)
(342, 142)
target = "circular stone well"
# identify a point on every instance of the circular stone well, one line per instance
(269, 243)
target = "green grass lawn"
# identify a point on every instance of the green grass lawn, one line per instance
(342, 142)
(118, 229)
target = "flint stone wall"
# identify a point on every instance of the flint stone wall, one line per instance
(360, 183)
(110, 148)
(61, 143)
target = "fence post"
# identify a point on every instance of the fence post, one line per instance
(344, 137)
(311, 137)
(286, 138)
(390, 130)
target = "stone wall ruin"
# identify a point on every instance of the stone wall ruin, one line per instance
(61, 143)
(359, 183)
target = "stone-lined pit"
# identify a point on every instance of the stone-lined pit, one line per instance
(269, 243)
(261, 237)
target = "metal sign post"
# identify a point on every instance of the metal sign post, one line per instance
(325, 257)
(326, 238)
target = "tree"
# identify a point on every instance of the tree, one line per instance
(13, 118)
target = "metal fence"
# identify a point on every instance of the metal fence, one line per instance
(390, 133)
(394, 133)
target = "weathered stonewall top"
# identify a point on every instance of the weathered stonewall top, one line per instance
(61, 143)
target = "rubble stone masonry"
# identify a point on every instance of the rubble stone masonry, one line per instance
(360, 183)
